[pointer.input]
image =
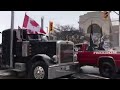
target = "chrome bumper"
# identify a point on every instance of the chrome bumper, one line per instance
(56, 71)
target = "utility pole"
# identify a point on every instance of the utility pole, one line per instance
(11, 39)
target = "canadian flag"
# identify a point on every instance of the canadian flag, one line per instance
(32, 26)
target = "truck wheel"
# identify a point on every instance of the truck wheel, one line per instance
(107, 69)
(39, 70)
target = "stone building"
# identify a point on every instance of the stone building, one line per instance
(96, 19)
(115, 35)
(100, 27)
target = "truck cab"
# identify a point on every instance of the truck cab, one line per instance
(85, 54)
(38, 57)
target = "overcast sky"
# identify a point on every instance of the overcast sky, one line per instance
(58, 17)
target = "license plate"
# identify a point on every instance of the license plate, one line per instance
(67, 67)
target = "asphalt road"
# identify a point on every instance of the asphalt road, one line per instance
(87, 72)
(94, 73)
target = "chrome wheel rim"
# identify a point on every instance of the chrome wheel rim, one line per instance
(39, 72)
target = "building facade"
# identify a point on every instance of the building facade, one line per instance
(100, 27)
(115, 35)
(95, 18)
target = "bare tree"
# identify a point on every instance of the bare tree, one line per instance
(68, 32)
(65, 28)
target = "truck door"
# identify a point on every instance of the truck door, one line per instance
(86, 56)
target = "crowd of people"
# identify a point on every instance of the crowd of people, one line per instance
(79, 37)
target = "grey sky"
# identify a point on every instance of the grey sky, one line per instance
(58, 17)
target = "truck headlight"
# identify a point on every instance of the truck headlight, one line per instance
(55, 60)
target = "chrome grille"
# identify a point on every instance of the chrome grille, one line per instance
(66, 53)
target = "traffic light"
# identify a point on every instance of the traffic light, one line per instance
(51, 26)
(105, 14)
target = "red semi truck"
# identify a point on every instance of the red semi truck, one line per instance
(108, 61)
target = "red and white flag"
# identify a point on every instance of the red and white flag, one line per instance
(32, 26)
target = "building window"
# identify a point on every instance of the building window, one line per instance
(95, 27)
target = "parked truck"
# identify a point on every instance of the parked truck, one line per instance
(37, 57)
(108, 61)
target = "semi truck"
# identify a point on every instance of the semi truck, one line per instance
(36, 56)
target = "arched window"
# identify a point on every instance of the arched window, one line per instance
(95, 27)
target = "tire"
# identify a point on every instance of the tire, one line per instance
(38, 70)
(107, 69)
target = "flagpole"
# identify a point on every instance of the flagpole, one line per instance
(91, 40)
(101, 34)
(91, 32)
(11, 39)
(42, 22)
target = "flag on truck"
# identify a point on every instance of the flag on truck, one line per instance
(91, 38)
(32, 26)
(91, 35)
(101, 35)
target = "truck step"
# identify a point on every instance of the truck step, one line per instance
(6, 72)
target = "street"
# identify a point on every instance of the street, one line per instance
(87, 72)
